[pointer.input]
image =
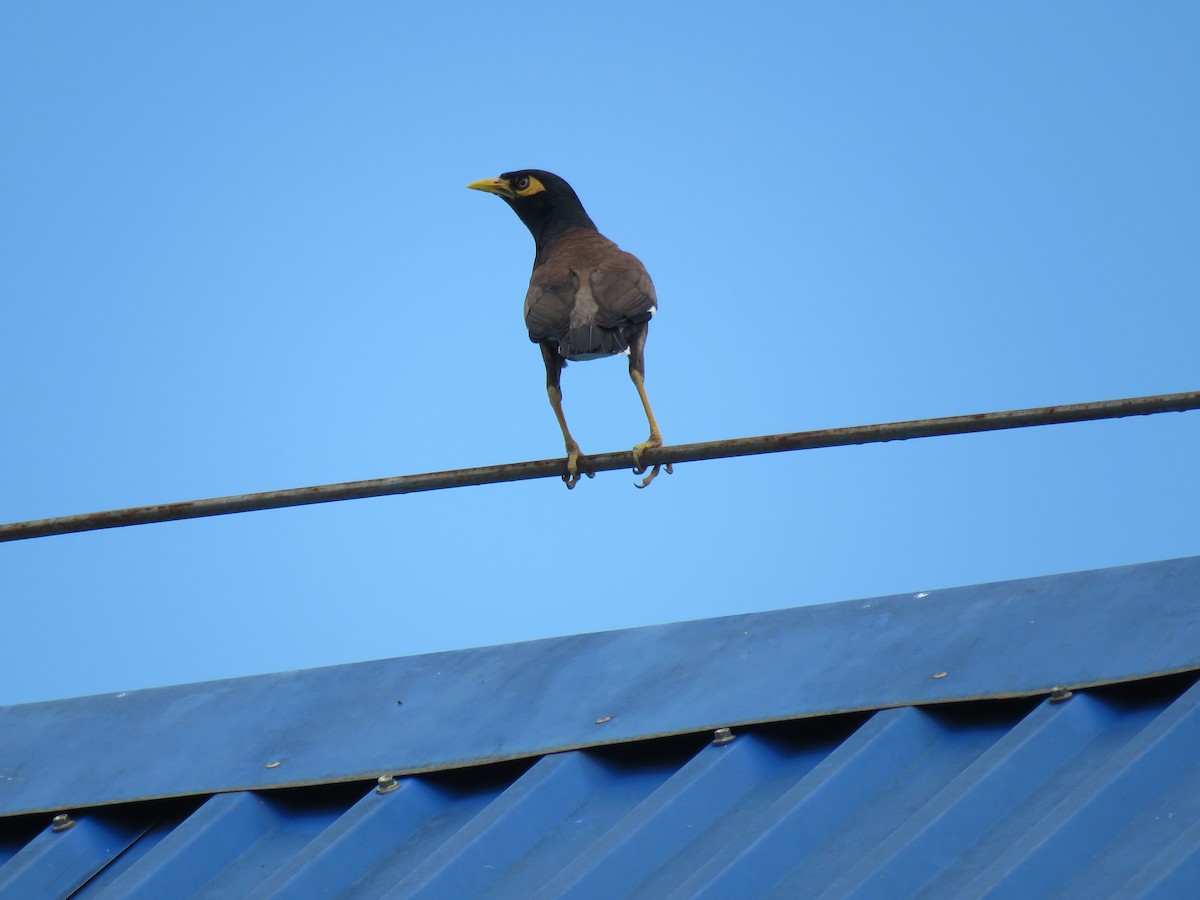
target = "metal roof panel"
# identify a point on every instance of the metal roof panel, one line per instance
(460, 708)
(1093, 793)
(1093, 796)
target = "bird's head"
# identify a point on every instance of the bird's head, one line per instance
(545, 203)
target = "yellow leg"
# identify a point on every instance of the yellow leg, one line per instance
(572, 477)
(655, 439)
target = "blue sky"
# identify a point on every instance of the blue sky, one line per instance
(239, 255)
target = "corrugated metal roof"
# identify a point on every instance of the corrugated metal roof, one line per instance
(1096, 795)
(469, 707)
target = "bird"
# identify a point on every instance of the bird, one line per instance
(587, 297)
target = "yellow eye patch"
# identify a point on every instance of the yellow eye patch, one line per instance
(527, 186)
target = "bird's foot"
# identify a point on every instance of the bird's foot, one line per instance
(573, 457)
(655, 440)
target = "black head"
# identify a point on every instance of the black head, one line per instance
(545, 203)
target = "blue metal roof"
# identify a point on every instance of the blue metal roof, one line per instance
(884, 748)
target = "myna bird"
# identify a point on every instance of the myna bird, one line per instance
(587, 297)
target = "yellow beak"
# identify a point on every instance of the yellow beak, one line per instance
(497, 186)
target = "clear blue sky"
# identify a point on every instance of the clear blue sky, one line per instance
(239, 255)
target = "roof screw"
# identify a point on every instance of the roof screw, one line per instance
(385, 784)
(61, 822)
(1059, 694)
(722, 736)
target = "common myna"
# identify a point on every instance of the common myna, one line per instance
(587, 297)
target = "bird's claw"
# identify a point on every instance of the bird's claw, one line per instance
(571, 480)
(573, 474)
(639, 469)
(653, 474)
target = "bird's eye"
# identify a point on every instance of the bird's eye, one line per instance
(526, 185)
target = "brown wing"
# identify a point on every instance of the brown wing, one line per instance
(624, 295)
(548, 308)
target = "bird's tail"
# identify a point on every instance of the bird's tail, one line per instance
(592, 342)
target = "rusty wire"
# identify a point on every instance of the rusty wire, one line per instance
(602, 462)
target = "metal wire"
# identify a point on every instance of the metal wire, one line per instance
(603, 462)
